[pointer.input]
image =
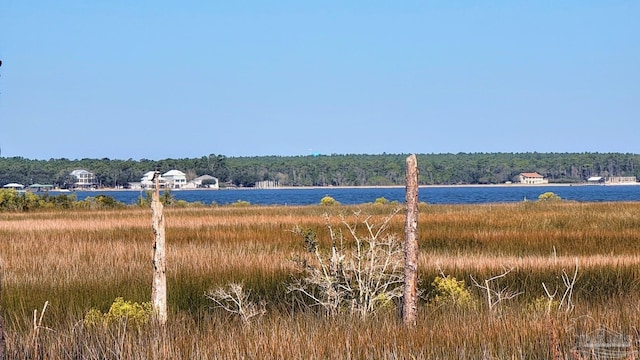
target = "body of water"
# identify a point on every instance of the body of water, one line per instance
(432, 195)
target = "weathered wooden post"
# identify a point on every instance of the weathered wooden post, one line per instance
(159, 287)
(410, 296)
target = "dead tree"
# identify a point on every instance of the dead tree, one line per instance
(159, 287)
(410, 295)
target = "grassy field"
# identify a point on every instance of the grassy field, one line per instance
(77, 260)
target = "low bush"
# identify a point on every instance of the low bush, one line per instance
(328, 201)
(549, 196)
(12, 200)
(381, 201)
(450, 291)
(121, 311)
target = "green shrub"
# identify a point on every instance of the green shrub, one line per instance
(99, 202)
(29, 201)
(94, 317)
(132, 313)
(8, 199)
(166, 198)
(63, 201)
(549, 196)
(108, 202)
(381, 201)
(450, 291)
(144, 201)
(328, 201)
(12, 200)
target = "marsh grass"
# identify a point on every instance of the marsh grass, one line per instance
(514, 334)
(81, 259)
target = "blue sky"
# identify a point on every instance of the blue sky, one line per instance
(174, 79)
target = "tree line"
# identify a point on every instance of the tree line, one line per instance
(331, 170)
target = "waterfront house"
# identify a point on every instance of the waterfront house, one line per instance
(532, 178)
(84, 178)
(174, 179)
(212, 182)
(40, 187)
(146, 181)
(14, 186)
(596, 180)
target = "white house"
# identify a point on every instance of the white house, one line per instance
(596, 180)
(14, 186)
(83, 178)
(197, 182)
(174, 179)
(146, 181)
(532, 179)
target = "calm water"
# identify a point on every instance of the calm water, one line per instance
(432, 195)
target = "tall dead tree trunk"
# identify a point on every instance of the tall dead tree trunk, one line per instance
(410, 294)
(159, 287)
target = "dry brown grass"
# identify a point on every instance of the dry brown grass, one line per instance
(78, 259)
(498, 262)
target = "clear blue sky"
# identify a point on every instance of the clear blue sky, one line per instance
(173, 79)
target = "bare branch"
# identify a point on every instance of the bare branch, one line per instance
(235, 300)
(359, 278)
(569, 283)
(495, 295)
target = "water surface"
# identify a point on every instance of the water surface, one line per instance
(429, 194)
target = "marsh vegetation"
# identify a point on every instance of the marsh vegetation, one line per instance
(76, 260)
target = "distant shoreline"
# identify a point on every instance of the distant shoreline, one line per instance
(377, 187)
(437, 186)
